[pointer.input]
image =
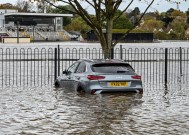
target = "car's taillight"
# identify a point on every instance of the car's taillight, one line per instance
(136, 77)
(95, 77)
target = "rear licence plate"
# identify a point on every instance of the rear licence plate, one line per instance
(118, 84)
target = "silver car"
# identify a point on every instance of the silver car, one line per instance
(100, 76)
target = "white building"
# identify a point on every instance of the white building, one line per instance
(42, 25)
(9, 17)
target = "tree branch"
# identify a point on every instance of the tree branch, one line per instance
(114, 44)
(124, 10)
(72, 12)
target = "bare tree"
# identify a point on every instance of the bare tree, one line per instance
(43, 5)
(24, 6)
(103, 17)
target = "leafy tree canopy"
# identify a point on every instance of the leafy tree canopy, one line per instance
(8, 6)
(77, 24)
(122, 23)
(177, 13)
(152, 25)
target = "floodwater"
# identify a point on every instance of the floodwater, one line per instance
(161, 110)
(76, 44)
(46, 111)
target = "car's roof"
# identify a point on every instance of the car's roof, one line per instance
(101, 61)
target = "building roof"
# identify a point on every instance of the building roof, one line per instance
(37, 14)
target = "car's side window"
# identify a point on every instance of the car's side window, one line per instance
(72, 68)
(81, 68)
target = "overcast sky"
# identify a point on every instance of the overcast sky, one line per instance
(160, 5)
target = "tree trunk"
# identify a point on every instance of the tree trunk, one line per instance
(107, 45)
(104, 9)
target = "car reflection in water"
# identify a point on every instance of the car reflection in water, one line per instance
(100, 113)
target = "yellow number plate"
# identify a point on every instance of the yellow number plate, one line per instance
(118, 84)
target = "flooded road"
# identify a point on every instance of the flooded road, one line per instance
(47, 111)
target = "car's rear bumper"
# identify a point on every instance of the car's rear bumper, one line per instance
(101, 91)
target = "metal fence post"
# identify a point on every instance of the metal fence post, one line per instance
(121, 52)
(33, 33)
(180, 61)
(58, 60)
(112, 53)
(166, 64)
(17, 32)
(55, 63)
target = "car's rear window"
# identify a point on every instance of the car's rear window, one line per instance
(112, 68)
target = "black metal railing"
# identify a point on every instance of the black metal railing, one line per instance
(40, 66)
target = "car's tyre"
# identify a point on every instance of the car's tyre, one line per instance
(56, 84)
(141, 91)
(80, 90)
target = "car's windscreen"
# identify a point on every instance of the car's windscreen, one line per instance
(112, 68)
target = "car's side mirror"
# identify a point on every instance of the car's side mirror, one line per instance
(65, 72)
